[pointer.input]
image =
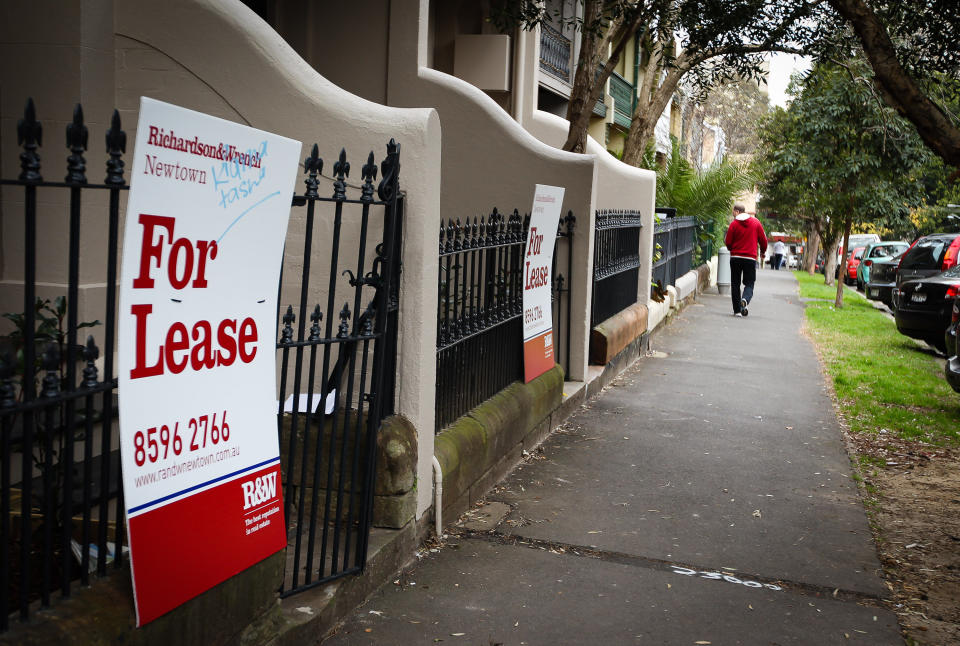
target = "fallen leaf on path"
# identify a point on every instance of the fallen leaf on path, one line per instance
(757, 514)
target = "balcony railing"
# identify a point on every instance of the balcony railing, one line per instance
(623, 100)
(555, 51)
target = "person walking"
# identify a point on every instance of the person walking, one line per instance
(744, 235)
(779, 251)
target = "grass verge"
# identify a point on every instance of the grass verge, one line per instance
(884, 381)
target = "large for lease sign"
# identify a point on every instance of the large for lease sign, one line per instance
(203, 243)
(538, 355)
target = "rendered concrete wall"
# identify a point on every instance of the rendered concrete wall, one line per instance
(345, 41)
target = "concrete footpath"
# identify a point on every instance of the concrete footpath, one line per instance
(705, 497)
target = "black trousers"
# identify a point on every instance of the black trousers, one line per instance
(742, 270)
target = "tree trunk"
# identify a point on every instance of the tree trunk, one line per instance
(647, 113)
(810, 253)
(830, 260)
(585, 86)
(899, 90)
(588, 83)
(842, 280)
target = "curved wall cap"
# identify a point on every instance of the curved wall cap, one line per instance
(554, 129)
(505, 122)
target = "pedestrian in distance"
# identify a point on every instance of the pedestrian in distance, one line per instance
(779, 251)
(744, 236)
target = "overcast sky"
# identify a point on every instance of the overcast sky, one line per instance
(781, 67)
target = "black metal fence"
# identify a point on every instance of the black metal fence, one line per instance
(675, 239)
(61, 499)
(60, 493)
(480, 304)
(616, 263)
(339, 377)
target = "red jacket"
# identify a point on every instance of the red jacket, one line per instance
(743, 237)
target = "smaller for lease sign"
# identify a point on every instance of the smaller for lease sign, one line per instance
(538, 355)
(203, 243)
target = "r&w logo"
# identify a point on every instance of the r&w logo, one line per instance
(259, 490)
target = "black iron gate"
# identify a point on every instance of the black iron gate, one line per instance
(337, 376)
(61, 504)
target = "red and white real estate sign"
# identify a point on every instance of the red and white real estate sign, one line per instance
(203, 242)
(538, 355)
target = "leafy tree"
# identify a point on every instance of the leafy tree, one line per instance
(841, 157)
(912, 48)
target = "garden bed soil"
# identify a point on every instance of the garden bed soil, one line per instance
(912, 493)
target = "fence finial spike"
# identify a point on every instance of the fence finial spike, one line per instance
(369, 174)
(368, 317)
(341, 169)
(313, 166)
(90, 353)
(116, 140)
(315, 318)
(30, 136)
(77, 143)
(344, 328)
(50, 361)
(286, 334)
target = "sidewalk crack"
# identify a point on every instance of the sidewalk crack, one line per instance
(798, 588)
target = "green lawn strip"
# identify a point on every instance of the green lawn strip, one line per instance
(883, 380)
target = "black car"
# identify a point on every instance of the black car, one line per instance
(925, 305)
(883, 278)
(929, 255)
(952, 368)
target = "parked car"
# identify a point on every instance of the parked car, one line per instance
(875, 252)
(883, 278)
(929, 255)
(925, 305)
(856, 240)
(952, 368)
(852, 265)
